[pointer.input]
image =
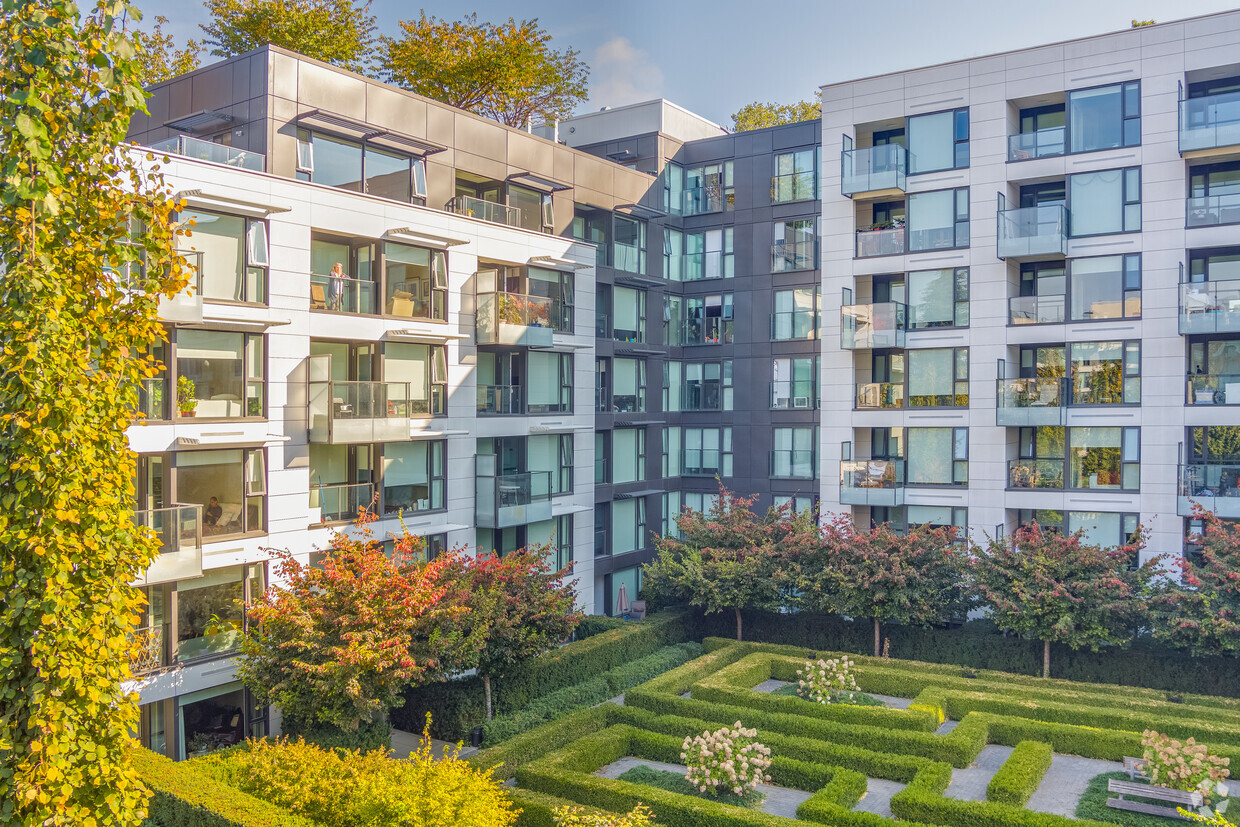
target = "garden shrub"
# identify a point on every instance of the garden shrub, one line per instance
(1185, 766)
(369, 735)
(503, 760)
(1020, 774)
(592, 625)
(728, 758)
(184, 796)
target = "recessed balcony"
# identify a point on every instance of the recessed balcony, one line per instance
(500, 400)
(874, 171)
(496, 213)
(1213, 389)
(341, 503)
(1036, 310)
(518, 319)
(179, 530)
(872, 482)
(880, 241)
(1036, 473)
(1212, 210)
(1210, 122)
(347, 413)
(191, 147)
(1215, 487)
(870, 326)
(1032, 232)
(1044, 143)
(506, 500)
(1210, 307)
(1031, 402)
(880, 395)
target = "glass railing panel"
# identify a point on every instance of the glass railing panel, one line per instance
(1038, 392)
(1207, 211)
(873, 168)
(1036, 310)
(1035, 473)
(1213, 389)
(499, 399)
(486, 210)
(1210, 122)
(349, 412)
(701, 200)
(880, 395)
(201, 150)
(881, 242)
(1214, 486)
(178, 528)
(872, 482)
(793, 186)
(1033, 231)
(1041, 144)
(343, 502)
(787, 256)
(869, 326)
(341, 294)
(1210, 307)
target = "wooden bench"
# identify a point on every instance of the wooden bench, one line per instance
(1135, 767)
(1175, 797)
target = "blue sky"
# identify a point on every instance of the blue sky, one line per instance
(713, 56)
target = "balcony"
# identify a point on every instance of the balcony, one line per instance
(347, 413)
(872, 482)
(702, 200)
(787, 464)
(147, 652)
(518, 319)
(794, 324)
(793, 395)
(201, 150)
(500, 400)
(1036, 310)
(1213, 389)
(1032, 232)
(874, 172)
(793, 186)
(1031, 402)
(789, 256)
(506, 500)
(879, 395)
(1044, 143)
(1215, 487)
(1210, 307)
(341, 294)
(709, 264)
(473, 207)
(880, 242)
(179, 530)
(1212, 210)
(1036, 473)
(1211, 122)
(341, 503)
(870, 326)
(185, 306)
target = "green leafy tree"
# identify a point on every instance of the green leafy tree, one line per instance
(1202, 614)
(1057, 588)
(507, 72)
(759, 115)
(340, 32)
(339, 641)
(728, 558)
(159, 56)
(910, 578)
(86, 244)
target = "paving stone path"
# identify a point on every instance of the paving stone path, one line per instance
(1065, 782)
(406, 743)
(779, 801)
(969, 784)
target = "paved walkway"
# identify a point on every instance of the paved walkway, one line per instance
(779, 801)
(893, 703)
(405, 743)
(969, 784)
(1065, 782)
(877, 798)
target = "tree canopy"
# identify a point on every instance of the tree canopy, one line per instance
(759, 115)
(506, 72)
(1202, 614)
(159, 57)
(340, 32)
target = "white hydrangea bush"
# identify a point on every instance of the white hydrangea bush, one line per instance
(726, 759)
(828, 681)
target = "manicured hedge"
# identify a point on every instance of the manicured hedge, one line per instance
(536, 807)
(503, 760)
(913, 804)
(1020, 774)
(368, 736)
(184, 796)
(456, 706)
(979, 644)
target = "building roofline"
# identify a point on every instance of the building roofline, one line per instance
(665, 101)
(1028, 48)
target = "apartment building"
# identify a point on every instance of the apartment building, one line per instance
(1029, 286)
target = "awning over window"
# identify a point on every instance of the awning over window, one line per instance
(359, 131)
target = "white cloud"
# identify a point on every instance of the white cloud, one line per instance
(621, 73)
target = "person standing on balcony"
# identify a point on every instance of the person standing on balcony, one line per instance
(336, 286)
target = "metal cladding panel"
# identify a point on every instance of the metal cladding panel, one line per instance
(386, 107)
(479, 137)
(534, 155)
(320, 87)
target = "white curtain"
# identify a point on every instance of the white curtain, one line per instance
(931, 142)
(1096, 200)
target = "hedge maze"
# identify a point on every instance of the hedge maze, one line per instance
(838, 757)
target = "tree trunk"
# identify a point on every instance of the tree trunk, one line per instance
(1046, 658)
(486, 688)
(877, 639)
(738, 623)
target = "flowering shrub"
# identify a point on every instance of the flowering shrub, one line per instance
(639, 816)
(726, 758)
(828, 681)
(1185, 766)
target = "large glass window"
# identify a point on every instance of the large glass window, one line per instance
(234, 258)
(794, 178)
(414, 476)
(1106, 287)
(553, 289)
(342, 274)
(673, 254)
(707, 451)
(938, 298)
(425, 368)
(629, 385)
(629, 309)
(794, 383)
(707, 320)
(708, 255)
(1104, 117)
(1105, 373)
(794, 246)
(707, 386)
(1102, 458)
(630, 245)
(550, 389)
(793, 455)
(1214, 194)
(709, 189)
(552, 453)
(628, 455)
(210, 614)
(937, 456)
(219, 374)
(796, 314)
(1105, 202)
(938, 141)
(938, 220)
(415, 282)
(938, 377)
(357, 167)
(532, 204)
(628, 525)
(229, 484)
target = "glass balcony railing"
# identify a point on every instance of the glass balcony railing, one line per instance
(1035, 473)
(179, 531)
(1029, 402)
(880, 242)
(793, 395)
(629, 258)
(1207, 211)
(1032, 232)
(787, 464)
(872, 482)
(507, 500)
(702, 200)
(600, 471)
(794, 324)
(185, 306)
(710, 264)
(870, 326)
(1213, 389)
(499, 400)
(1036, 310)
(1041, 144)
(343, 502)
(793, 186)
(341, 294)
(600, 542)
(345, 413)
(486, 210)
(1210, 122)
(1210, 307)
(519, 319)
(787, 256)
(873, 169)
(877, 395)
(1213, 486)
(148, 650)
(201, 150)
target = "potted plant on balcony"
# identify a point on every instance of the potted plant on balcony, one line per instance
(187, 400)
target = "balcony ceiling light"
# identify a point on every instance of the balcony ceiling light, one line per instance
(413, 236)
(229, 203)
(361, 131)
(203, 121)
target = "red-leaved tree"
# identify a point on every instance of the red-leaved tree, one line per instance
(1202, 614)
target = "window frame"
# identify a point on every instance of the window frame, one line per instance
(1127, 201)
(304, 165)
(1125, 116)
(172, 374)
(960, 116)
(960, 198)
(433, 445)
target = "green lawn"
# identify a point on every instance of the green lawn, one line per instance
(1093, 805)
(672, 782)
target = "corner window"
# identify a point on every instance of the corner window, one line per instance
(415, 282)
(1105, 202)
(938, 141)
(233, 255)
(219, 374)
(673, 254)
(1105, 117)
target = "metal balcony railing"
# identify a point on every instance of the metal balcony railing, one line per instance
(473, 207)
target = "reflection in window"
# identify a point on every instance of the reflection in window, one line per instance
(1106, 373)
(938, 220)
(416, 281)
(938, 298)
(210, 613)
(414, 478)
(938, 141)
(234, 257)
(229, 484)
(1105, 202)
(224, 373)
(357, 167)
(1105, 117)
(1102, 458)
(1106, 287)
